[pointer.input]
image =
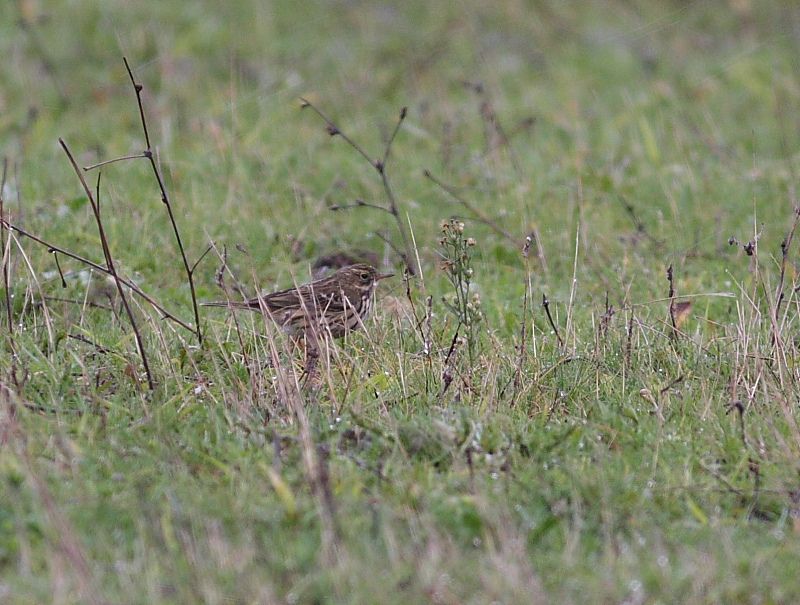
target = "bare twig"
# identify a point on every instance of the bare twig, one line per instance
(99, 348)
(629, 340)
(58, 267)
(358, 204)
(427, 345)
(79, 303)
(546, 305)
(540, 255)
(380, 167)
(447, 372)
(671, 280)
(6, 252)
(526, 250)
(670, 385)
(737, 405)
(333, 130)
(148, 153)
(394, 248)
(45, 312)
(403, 113)
(95, 203)
(785, 244)
(219, 278)
(124, 158)
(638, 223)
(417, 321)
(224, 269)
(477, 213)
(202, 256)
(605, 319)
(89, 263)
(494, 133)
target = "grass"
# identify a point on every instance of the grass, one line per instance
(631, 448)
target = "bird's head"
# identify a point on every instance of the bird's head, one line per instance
(361, 277)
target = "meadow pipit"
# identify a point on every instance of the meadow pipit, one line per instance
(336, 304)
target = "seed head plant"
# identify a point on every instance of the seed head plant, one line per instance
(464, 303)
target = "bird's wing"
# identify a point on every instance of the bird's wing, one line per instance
(279, 300)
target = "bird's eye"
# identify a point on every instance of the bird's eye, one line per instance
(364, 276)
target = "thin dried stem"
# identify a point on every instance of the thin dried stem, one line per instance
(546, 305)
(99, 348)
(6, 251)
(403, 113)
(394, 248)
(526, 250)
(45, 310)
(333, 130)
(380, 167)
(89, 263)
(785, 245)
(638, 223)
(124, 158)
(427, 338)
(95, 203)
(477, 214)
(629, 340)
(58, 268)
(417, 321)
(358, 204)
(671, 296)
(148, 153)
(202, 256)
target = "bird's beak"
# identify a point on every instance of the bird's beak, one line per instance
(381, 276)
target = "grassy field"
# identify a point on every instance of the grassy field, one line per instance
(633, 440)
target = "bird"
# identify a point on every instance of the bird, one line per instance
(337, 304)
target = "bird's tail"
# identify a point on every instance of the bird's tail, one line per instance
(230, 304)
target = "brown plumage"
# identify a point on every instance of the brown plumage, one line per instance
(337, 304)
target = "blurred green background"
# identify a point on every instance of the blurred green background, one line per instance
(626, 136)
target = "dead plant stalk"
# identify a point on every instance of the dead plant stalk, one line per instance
(94, 202)
(150, 156)
(379, 166)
